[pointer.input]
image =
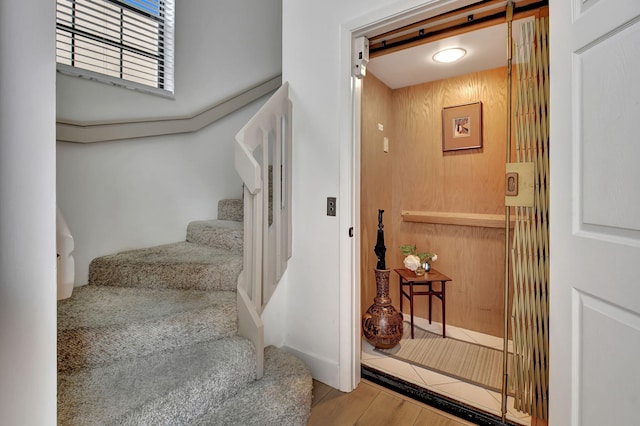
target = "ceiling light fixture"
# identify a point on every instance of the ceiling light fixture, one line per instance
(449, 55)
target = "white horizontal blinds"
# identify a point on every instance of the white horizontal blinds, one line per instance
(131, 40)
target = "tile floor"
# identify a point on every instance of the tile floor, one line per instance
(466, 393)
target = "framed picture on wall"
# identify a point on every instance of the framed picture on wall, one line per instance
(462, 127)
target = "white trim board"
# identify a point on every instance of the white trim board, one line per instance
(88, 132)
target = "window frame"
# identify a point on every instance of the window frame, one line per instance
(164, 57)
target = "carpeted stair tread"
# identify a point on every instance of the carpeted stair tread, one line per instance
(101, 324)
(231, 209)
(152, 340)
(282, 397)
(173, 387)
(182, 265)
(224, 234)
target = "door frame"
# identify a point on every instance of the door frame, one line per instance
(370, 24)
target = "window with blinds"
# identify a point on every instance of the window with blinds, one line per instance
(128, 42)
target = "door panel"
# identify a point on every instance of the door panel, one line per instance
(607, 83)
(607, 337)
(595, 212)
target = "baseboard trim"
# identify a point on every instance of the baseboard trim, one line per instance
(432, 399)
(323, 370)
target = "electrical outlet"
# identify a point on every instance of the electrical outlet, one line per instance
(331, 206)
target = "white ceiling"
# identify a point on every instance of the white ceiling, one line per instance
(486, 49)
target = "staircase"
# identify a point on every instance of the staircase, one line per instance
(153, 340)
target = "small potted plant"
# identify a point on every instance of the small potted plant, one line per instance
(417, 262)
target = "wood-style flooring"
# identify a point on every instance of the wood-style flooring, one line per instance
(370, 404)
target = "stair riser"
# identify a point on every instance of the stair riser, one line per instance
(166, 388)
(179, 276)
(223, 237)
(282, 397)
(193, 399)
(231, 210)
(87, 347)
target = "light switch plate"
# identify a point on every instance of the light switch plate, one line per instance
(331, 206)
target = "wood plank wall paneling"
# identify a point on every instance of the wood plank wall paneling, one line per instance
(376, 169)
(417, 175)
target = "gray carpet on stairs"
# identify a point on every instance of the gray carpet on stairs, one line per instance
(231, 209)
(224, 234)
(181, 265)
(102, 324)
(282, 397)
(152, 340)
(164, 388)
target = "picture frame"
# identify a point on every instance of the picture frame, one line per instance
(462, 127)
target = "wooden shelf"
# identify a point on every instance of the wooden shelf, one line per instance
(460, 219)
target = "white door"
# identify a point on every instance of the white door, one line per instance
(595, 212)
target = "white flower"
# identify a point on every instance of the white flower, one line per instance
(434, 258)
(412, 262)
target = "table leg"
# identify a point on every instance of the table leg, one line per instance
(430, 294)
(411, 305)
(401, 297)
(443, 284)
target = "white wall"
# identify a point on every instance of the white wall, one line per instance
(136, 193)
(27, 214)
(313, 66)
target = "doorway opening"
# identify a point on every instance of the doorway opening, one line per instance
(447, 201)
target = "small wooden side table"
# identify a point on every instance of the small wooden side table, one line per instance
(410, 279)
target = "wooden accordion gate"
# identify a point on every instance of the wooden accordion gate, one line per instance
(529, 249)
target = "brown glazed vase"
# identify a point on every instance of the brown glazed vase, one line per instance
(382, 323)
